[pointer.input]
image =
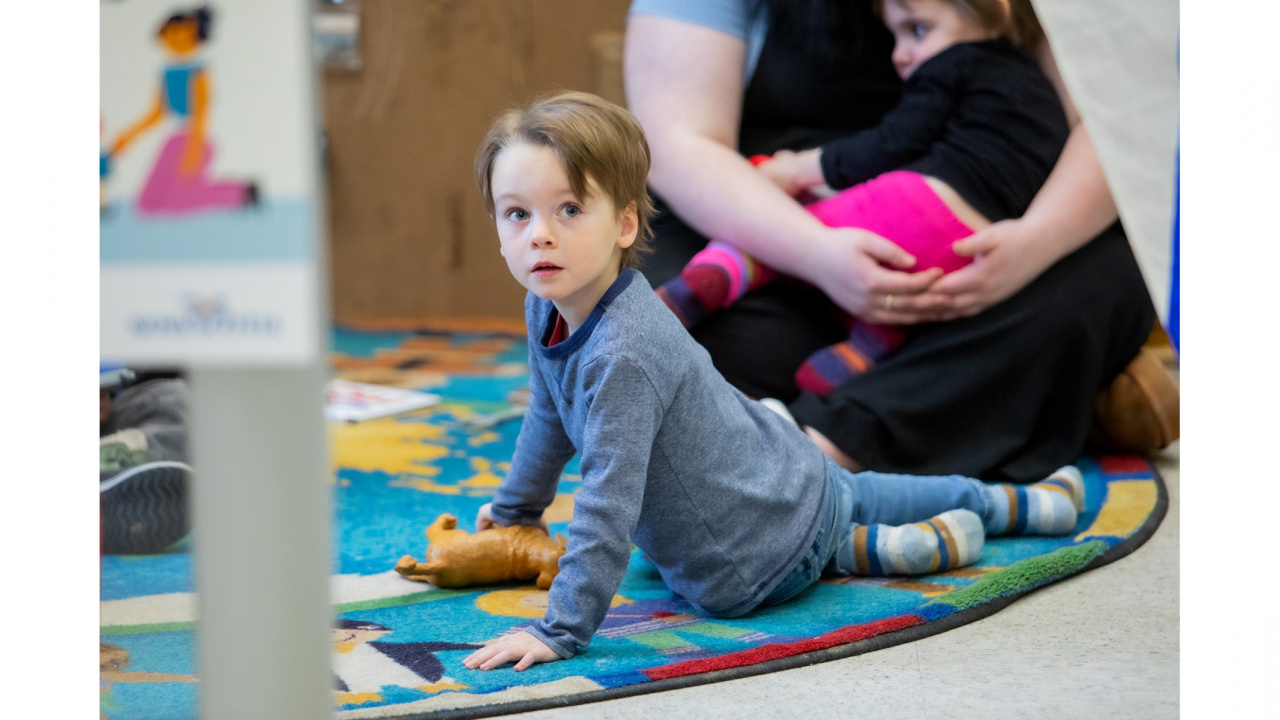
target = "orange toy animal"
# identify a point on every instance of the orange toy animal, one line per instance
(457, 558)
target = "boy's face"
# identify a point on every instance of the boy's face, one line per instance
(924, 28)
(561, 247)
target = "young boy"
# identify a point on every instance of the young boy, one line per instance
(735, 506)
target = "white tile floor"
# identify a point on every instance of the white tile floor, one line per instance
(1100, 645)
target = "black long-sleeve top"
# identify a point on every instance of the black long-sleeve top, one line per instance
(979, 116)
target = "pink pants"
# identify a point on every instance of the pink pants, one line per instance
(167, 191)
(901, 207)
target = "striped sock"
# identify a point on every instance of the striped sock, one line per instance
(714, 279)
(1048, 507)
(832, 366)
(678, 298)
(944, 542)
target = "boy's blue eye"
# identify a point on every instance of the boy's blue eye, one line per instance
(918, 31)
(517, 215)
(572, 210)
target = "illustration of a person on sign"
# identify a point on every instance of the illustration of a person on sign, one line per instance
(179, 182)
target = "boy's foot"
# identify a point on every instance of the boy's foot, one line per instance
(1048, 507)
(778, 407)
(944, 542)
(144, 508)
(1138, 411)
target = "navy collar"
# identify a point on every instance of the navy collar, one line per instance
(579, 336)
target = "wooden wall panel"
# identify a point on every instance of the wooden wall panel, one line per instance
(409, 235)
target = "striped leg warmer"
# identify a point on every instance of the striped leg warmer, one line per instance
(944, 542)
(714, 279)
(832, 366)
(1048, 507)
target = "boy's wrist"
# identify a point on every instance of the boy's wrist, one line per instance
(564, 650)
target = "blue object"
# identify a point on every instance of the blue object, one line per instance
(177, 87)
(1175, 286)
(113, 375)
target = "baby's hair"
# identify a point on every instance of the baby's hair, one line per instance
(201, 16)
(593, 138)
(1014, 20)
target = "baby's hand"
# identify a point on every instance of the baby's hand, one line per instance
(520, 647)
(793, 172)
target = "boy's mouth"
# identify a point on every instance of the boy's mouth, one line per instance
(546, 268)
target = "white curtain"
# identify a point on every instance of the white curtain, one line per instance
(1119, 61)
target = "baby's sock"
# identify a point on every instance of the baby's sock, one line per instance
(714, 279)
(832, 366)
(1048, 507)
(944, 542)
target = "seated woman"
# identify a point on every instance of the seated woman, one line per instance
(1002, 359)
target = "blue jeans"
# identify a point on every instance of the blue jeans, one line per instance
(869, 498)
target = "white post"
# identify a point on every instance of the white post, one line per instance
(261, 539)
(236, 295)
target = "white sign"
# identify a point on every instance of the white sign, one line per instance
(209, 204)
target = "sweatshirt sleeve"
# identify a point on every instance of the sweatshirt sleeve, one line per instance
(623, 418)
(542, 449)
(904, 134)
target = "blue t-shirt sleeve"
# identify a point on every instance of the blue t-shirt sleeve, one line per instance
(623, 418)
(729, 16)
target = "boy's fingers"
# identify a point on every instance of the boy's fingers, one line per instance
(498, 660)
(525, 661)
(481, 656)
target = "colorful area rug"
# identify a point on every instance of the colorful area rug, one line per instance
(399, 645)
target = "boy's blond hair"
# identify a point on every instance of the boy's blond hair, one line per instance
(1014, 20)
(593, 138)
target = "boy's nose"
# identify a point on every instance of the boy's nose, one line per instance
(542, 236)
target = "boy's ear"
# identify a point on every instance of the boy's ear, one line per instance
(630, 221)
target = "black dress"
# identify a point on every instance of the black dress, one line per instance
(1006, 395)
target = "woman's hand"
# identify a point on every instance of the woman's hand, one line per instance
(852, 273)
(1006, 258)
(519, 647)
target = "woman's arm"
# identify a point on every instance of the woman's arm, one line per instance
(1072, 208)
(153, 116)
(685, 84)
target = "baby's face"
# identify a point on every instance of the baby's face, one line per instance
(924, 28)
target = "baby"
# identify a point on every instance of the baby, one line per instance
(976, 133)
(732, 503)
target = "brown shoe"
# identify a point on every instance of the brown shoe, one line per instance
(1138, 411)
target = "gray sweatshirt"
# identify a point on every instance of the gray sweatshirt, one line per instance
(719, 492)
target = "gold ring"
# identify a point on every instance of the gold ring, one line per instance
(888, 302)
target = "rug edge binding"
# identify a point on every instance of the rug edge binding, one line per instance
(839, 652)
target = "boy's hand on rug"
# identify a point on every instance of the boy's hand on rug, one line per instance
(484, 520)
(520, 647)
